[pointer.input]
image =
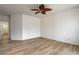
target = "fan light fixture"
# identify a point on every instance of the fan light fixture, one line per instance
(42, 9)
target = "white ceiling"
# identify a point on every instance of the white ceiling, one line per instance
(25, 8)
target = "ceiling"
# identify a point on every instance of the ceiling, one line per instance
(9, 9)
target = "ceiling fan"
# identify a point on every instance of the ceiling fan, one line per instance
(42, 9)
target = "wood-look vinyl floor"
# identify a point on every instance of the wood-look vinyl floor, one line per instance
(38, 46)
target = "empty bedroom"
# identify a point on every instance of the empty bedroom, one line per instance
(39, 29)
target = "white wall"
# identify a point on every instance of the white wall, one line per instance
(62, 26)
(4, 18)
(16, 27)
(24, 27)
(31, 27)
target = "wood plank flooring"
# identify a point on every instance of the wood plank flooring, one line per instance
(38, 46)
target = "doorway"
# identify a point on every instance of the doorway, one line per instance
(4, 32)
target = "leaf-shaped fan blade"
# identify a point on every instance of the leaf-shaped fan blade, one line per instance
(41, 6)
(37, 12)
(47, 9)
(43, 12)
(34, 9)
